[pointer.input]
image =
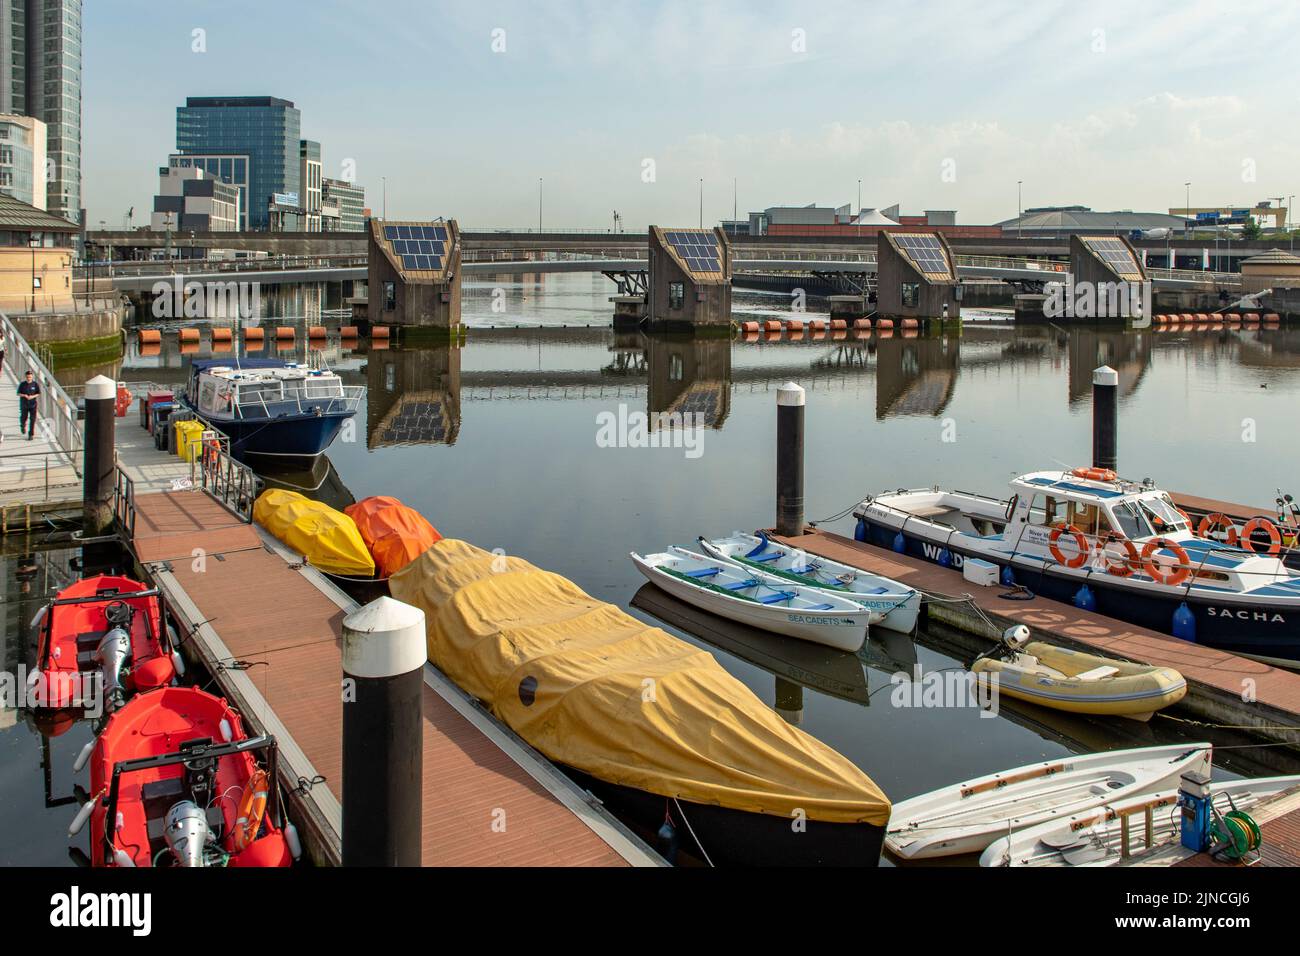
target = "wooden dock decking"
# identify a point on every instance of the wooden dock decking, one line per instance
(268, 628)
(1218, 681)
(1279, 825)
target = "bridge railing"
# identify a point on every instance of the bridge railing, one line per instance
(58, 410)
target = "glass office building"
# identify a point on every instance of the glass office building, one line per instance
(40, 76)
(349, 201)
(264, 129)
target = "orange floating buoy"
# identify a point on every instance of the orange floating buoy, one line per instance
(221, 334)
(1080, 541)
(1181, 570)
(316, 332)
(772, 325)
(816, 325)
(379, 331)
(1272, 317)
(1268, 527)
(1202, 317)
(188, 335)
(862, 324)
(150, 336)
(1161, 319)
(911, 324)
(1187, 317)
(1251, 317)
(284, 332)
(839, 324)
(749, 327)
(1213, 522)
(254, 334)
(348, 332)
(884, 323)
(794, 325)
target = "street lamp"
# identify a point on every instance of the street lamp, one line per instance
(539, 205)
(1187, 209)
(701, 202)
(34, 241)
(1020, 207)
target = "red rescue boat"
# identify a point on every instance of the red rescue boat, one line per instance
(176, 781)
(109, 625)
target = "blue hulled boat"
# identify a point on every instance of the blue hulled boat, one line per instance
(1118, 547)
(270, 407)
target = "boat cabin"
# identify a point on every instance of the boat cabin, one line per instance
(1096, 508)
(272, 391)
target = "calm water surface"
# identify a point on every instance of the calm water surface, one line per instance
(495, 442)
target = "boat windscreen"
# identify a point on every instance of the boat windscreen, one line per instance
(1164, 514)
(1131, 520)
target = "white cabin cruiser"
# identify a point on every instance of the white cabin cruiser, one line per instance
(1104, 543)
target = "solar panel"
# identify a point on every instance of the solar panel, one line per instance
(697, 248)
(410, 262)
(440, 232)
(390, 233)
(925, 252)
(1115, 254)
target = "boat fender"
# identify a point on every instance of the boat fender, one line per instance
(1008, 576)
(226, 732)
(1084, 599)
(860, 532)
(291, 838)
(122, 858)
(40, 616)
(178, 663)
(82, 757)
(945, 558)
(900, 543)
(1184, 623)
(666, 841)
(82, 816)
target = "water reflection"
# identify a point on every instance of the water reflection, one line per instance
(414, 396)
(688, 375)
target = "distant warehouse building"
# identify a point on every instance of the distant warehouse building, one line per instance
(192, 200)
(815, 220)
(343, 206)
(1058, 221)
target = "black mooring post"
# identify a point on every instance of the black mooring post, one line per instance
(383, 683)
(1105, 418)
(789, 459)
(97, 457)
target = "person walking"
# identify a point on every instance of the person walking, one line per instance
(29, 393)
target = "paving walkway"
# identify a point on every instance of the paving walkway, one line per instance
(35, 472)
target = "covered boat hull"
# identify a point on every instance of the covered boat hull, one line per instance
(1226, 622)
(736, 838)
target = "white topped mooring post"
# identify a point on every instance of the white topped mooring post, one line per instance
(1105, 418)
(789, 459)
(97, 457)
(383, 684)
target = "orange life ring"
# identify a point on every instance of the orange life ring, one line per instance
(1181, 571)
(1079, 539)
(1131, 560)
(252, 807)
(1262, 524)
(1212, 522)
(1095, 474)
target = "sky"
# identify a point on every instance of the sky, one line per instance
(628, 104)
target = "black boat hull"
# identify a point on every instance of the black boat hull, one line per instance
(737, 838)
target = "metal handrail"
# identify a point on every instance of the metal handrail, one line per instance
(61, 409)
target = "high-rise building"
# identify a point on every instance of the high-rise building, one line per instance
(230, 168)
(192, 200)
(309, 173)
(343, 206)
(265, 129)
(22, 159)
(40, 76)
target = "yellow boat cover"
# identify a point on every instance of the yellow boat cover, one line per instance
(592, 687)
(328, 539)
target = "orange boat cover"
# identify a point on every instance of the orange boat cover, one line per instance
(395, 534)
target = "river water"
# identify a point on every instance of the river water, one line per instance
(497, 440)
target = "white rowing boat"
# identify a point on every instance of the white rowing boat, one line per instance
(1093, 838)
(967, 817)
(757, 598)
(893, 605)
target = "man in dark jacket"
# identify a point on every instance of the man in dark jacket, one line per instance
(29, 391)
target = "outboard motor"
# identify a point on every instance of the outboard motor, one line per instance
(112, 655)
(1015, 637)
(185, 828)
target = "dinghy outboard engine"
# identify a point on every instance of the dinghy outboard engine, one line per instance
(114, 653)
(1013, 640)
(185, 828)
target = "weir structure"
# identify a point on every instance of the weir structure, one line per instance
(916, 277)
(690, 280)
(413, 275)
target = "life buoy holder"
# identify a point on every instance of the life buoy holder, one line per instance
(1131, 560)
(1180, 572)
(1079, 539)
(1262, 524)
(252, 807)
(1213, 522)
(1095, 474)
